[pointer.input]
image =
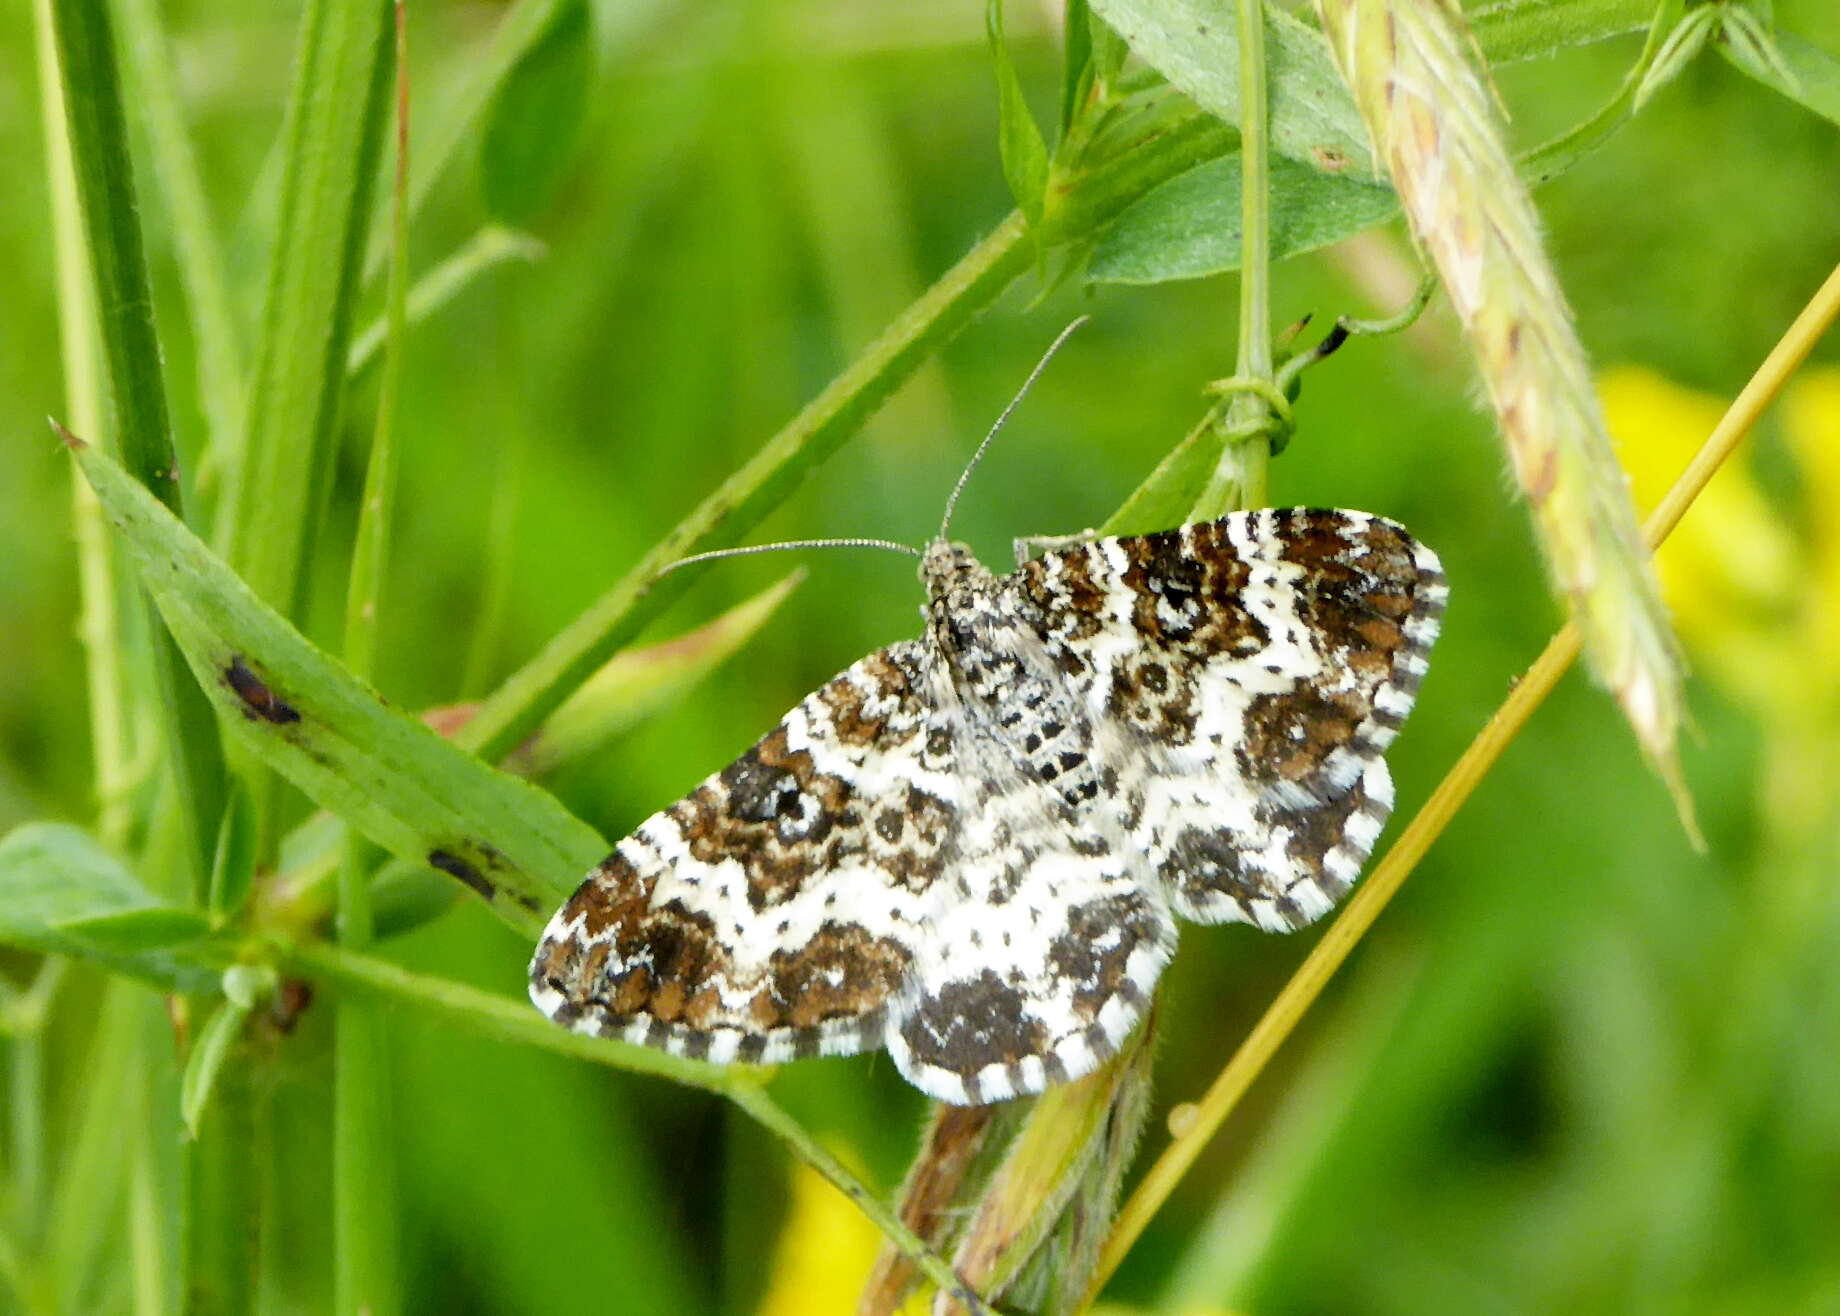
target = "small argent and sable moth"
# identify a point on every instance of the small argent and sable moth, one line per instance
(972, 848)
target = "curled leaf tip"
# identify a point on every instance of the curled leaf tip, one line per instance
(69, 440)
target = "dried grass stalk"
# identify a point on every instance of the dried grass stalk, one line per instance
(1437, 130)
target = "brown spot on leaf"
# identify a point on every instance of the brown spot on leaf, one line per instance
(259, 701)
(454, 866)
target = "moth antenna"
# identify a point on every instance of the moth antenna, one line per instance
(1021, 393)
(786, 545)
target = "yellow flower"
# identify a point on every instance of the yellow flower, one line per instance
(825, 1251)
(1732, 571)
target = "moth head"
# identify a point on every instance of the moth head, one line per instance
(947, 565)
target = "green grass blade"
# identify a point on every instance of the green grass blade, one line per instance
(301, 712)
(362, 1192)
(105, 183)
(636, 684)
(332, 137)
(497, 1016)
(148, 66)
(99, 622)
(131, 354)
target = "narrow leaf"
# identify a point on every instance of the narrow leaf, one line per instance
(452, 121)
(1686, 40)
(332, 136)
(531, 128)
(1190, 226)
(104, 172)
(1513, 31)
(1814, 74)
(1025, 154)
(233, 864)
(304, 714)
(62, 893)
(207, 1061)
(131, 930)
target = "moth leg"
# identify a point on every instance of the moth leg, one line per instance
(1027, 546)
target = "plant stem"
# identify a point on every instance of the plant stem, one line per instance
(1458, 784)
(746, 1093)
(514, 1021)
(131, 354)
(100, 609)
(152, 78)
(1241, 477)
(362, 1196)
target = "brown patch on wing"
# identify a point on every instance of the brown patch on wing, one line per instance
(776, 815)
(1096, 948)
(1154, 697)
(848, 703)
(1356, 594)
(913, 838)
(1077, 603)
(1187, 595)
(1287, 736)
(628, 958)
(1201, 864)
(843, 972)
(614, 896)
(971, 1023)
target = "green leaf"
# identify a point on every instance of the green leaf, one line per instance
(532, 125)
(62, 893)
(1513, 31)
(1784, 62)
(104, 172)
(207, 1061)
(1025, 154)
(1677, 51)
(131, 930)
(1195, 44)
(233, 865)
(1815, 73)
(1190, 226)
(304, 714)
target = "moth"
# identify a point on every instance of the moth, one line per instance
(973, 848)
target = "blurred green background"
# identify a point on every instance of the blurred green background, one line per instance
(1576, 1067)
